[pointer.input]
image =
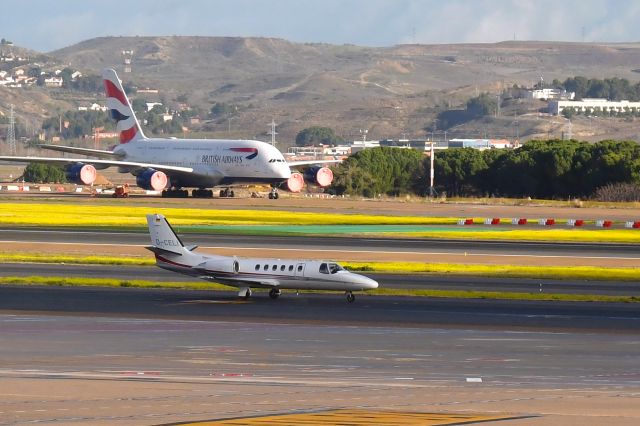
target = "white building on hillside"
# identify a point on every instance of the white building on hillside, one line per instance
(594, 105)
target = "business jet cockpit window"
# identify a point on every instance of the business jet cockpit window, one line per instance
(324, 269)
(334, 267)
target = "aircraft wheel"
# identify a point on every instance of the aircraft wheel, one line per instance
(271, 195)
(276, 196)
(247, 295)
(350, 297)
(274, 293)
(232, 194)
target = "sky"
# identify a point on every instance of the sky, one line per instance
(46, 25)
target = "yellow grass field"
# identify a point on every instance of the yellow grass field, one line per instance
(55, 214)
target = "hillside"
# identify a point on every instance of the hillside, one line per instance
(390, 91)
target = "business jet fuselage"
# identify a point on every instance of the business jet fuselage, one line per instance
(246, 273)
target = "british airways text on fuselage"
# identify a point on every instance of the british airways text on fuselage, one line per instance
(224, 159)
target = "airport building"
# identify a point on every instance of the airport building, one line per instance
(593, 105)
(480, 144)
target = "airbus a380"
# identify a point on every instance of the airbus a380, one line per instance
(246, 273)
(171, 164)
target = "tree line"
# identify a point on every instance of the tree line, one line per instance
(539, 169)
(614, 89)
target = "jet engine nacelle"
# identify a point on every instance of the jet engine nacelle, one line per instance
(318, 175)
(81, 174)
(295, 183)
(152, 179)
(225, 266)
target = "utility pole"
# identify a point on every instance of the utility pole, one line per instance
(11, 137)
(432, 191)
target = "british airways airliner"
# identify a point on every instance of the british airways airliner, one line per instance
(171, 164)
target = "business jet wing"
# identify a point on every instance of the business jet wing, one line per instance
(97, 163)
(311, 162)
(99, 153)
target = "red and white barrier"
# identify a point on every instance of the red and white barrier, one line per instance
(632, 224)
(492, 221)
(465, 221)
(519, 221)
(546, 222)
(575, 222)
(601, 223)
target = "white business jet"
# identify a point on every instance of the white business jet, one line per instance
(246, 273)
(171, 164)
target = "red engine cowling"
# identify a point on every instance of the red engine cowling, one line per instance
(81, 174)
(320, 176)
(151, 179)
(295, 183)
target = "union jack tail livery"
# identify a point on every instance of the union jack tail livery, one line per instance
(120, 108)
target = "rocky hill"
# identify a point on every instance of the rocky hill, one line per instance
(390, 91)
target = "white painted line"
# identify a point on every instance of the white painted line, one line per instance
(474, 379)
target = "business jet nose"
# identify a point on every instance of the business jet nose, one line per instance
(365, 282)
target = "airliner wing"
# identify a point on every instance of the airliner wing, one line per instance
(98, 164)
(84, 151)
(310, 162)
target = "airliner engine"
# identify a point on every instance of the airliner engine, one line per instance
(151, 179)
(317, 175)
(81, 174)
(295, 183)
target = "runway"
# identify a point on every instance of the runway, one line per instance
(133, 357)
(97, 356)
(394, 281)
(320, 308)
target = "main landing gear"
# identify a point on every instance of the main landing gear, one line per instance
(224, 193)
(274, 293)
(244, 293)
(202, 193)
(273, 195)
(175, 193)
(350, 297)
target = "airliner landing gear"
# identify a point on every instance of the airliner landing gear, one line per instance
(273, 195)
(245, 293)
(350, 296)
(175, 193)
(274, 293)
(202, 193)
(224, 193)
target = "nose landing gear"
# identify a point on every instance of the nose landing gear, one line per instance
(273, 195)
(350, 296)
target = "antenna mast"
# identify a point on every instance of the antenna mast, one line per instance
(11, 137)
(273, 132)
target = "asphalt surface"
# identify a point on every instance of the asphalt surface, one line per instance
(394, 281)
(608, 250)
(320, 308)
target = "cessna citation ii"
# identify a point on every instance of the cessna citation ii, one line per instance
(245, 273)
(171, 164)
